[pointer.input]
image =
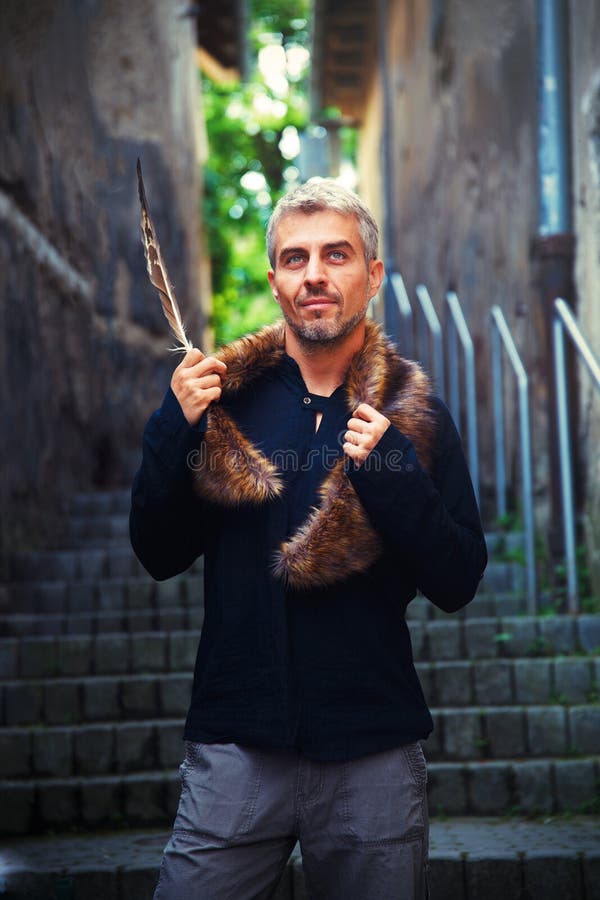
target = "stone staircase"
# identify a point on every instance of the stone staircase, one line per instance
(96, 661)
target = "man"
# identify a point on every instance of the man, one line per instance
(324, 485)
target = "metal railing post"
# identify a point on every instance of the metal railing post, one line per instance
(432, 321)
(563, 321)
(405, 312)
(503, 332)
(460, 330)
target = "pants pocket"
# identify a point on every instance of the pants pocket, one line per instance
(220, 788)
(384, 797)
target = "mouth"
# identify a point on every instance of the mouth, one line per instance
(317, 303)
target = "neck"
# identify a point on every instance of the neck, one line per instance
(324, 366)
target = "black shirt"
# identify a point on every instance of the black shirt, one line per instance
(328, 671)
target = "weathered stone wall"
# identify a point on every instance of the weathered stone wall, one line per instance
(463, 82)
(585, 112)
(85, 88)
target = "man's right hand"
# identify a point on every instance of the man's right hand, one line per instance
(196, 383)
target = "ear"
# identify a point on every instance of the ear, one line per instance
(271, 277)
(376, 273)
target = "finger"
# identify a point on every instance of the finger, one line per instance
(191, 358)
(365, 412)
(359, 425)
(355, 453)
(208, 381)
(353, 437)
(212, 364)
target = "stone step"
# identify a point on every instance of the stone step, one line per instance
(79, 564)
(564, 680)
(165, 618)
(453, 640)
(96, 528)
(100, 503)
(101, 654)
(99, 595)
(484, 605)
(473, 859)
(149, 798)
(467, 734)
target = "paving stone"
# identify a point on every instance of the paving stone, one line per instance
(533, 680)
(119, 562)
(111, 622)
(101, 801)
(575, 784)
(446, 789)
(452, 683)
(92, 565)
(171, 619)
(136, 747)
(193, 590)
(444, 640)
(558, 632)
(572, 679)
(112, 654)
(23, 703)
(81, 597)
(462, 734)
(546, 731)
(446, 879)
(591, 875)
(170, 744)
(149, 652)
(53, 752)
(39, 657)
(100, 699)
(183, 647)
(139, 696)
(533, 779)
(81, 624)
(74, 655)
(168, 593)
(139, 593)
(18, 804)
(98, 883)
(505, 733)
(489, 788)
(417, 639)
(144, 800)
(142, 620)
(480, 638)
(138, 882)
(94, 747)
(62, 704)
(589, 633)
(553, 878)
(9, 657)
(522, 634)
(110, 595)
(15, 752)
(51, 597)
(585, 729)
(493, 879)
(493, 682)
(58, 804)
(174, 694)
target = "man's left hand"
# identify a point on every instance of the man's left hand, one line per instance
(365, 429)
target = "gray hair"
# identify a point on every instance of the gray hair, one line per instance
(317, 195)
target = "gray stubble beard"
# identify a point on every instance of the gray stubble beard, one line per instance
(325, 333)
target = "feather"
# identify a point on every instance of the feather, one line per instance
(158, 271)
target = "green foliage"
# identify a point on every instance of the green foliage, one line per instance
(246, 171)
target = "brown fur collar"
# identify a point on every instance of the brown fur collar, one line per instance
(337, 539)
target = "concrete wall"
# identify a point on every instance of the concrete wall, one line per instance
(85, 88)
(462, 82)
(585, 113)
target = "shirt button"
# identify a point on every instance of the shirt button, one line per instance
(306, 400)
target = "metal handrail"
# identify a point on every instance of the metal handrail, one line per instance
(405, 312)
(501, 336)
(457, 328)
(564, 320)
(430, 318)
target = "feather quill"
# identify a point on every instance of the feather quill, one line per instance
(158, 271)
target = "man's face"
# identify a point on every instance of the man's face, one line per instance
(321, 279)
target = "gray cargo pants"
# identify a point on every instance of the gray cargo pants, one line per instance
(362, 825)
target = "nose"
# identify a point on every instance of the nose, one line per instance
(314, 273)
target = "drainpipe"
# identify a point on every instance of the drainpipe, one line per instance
(554, 245)
(392, 317)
